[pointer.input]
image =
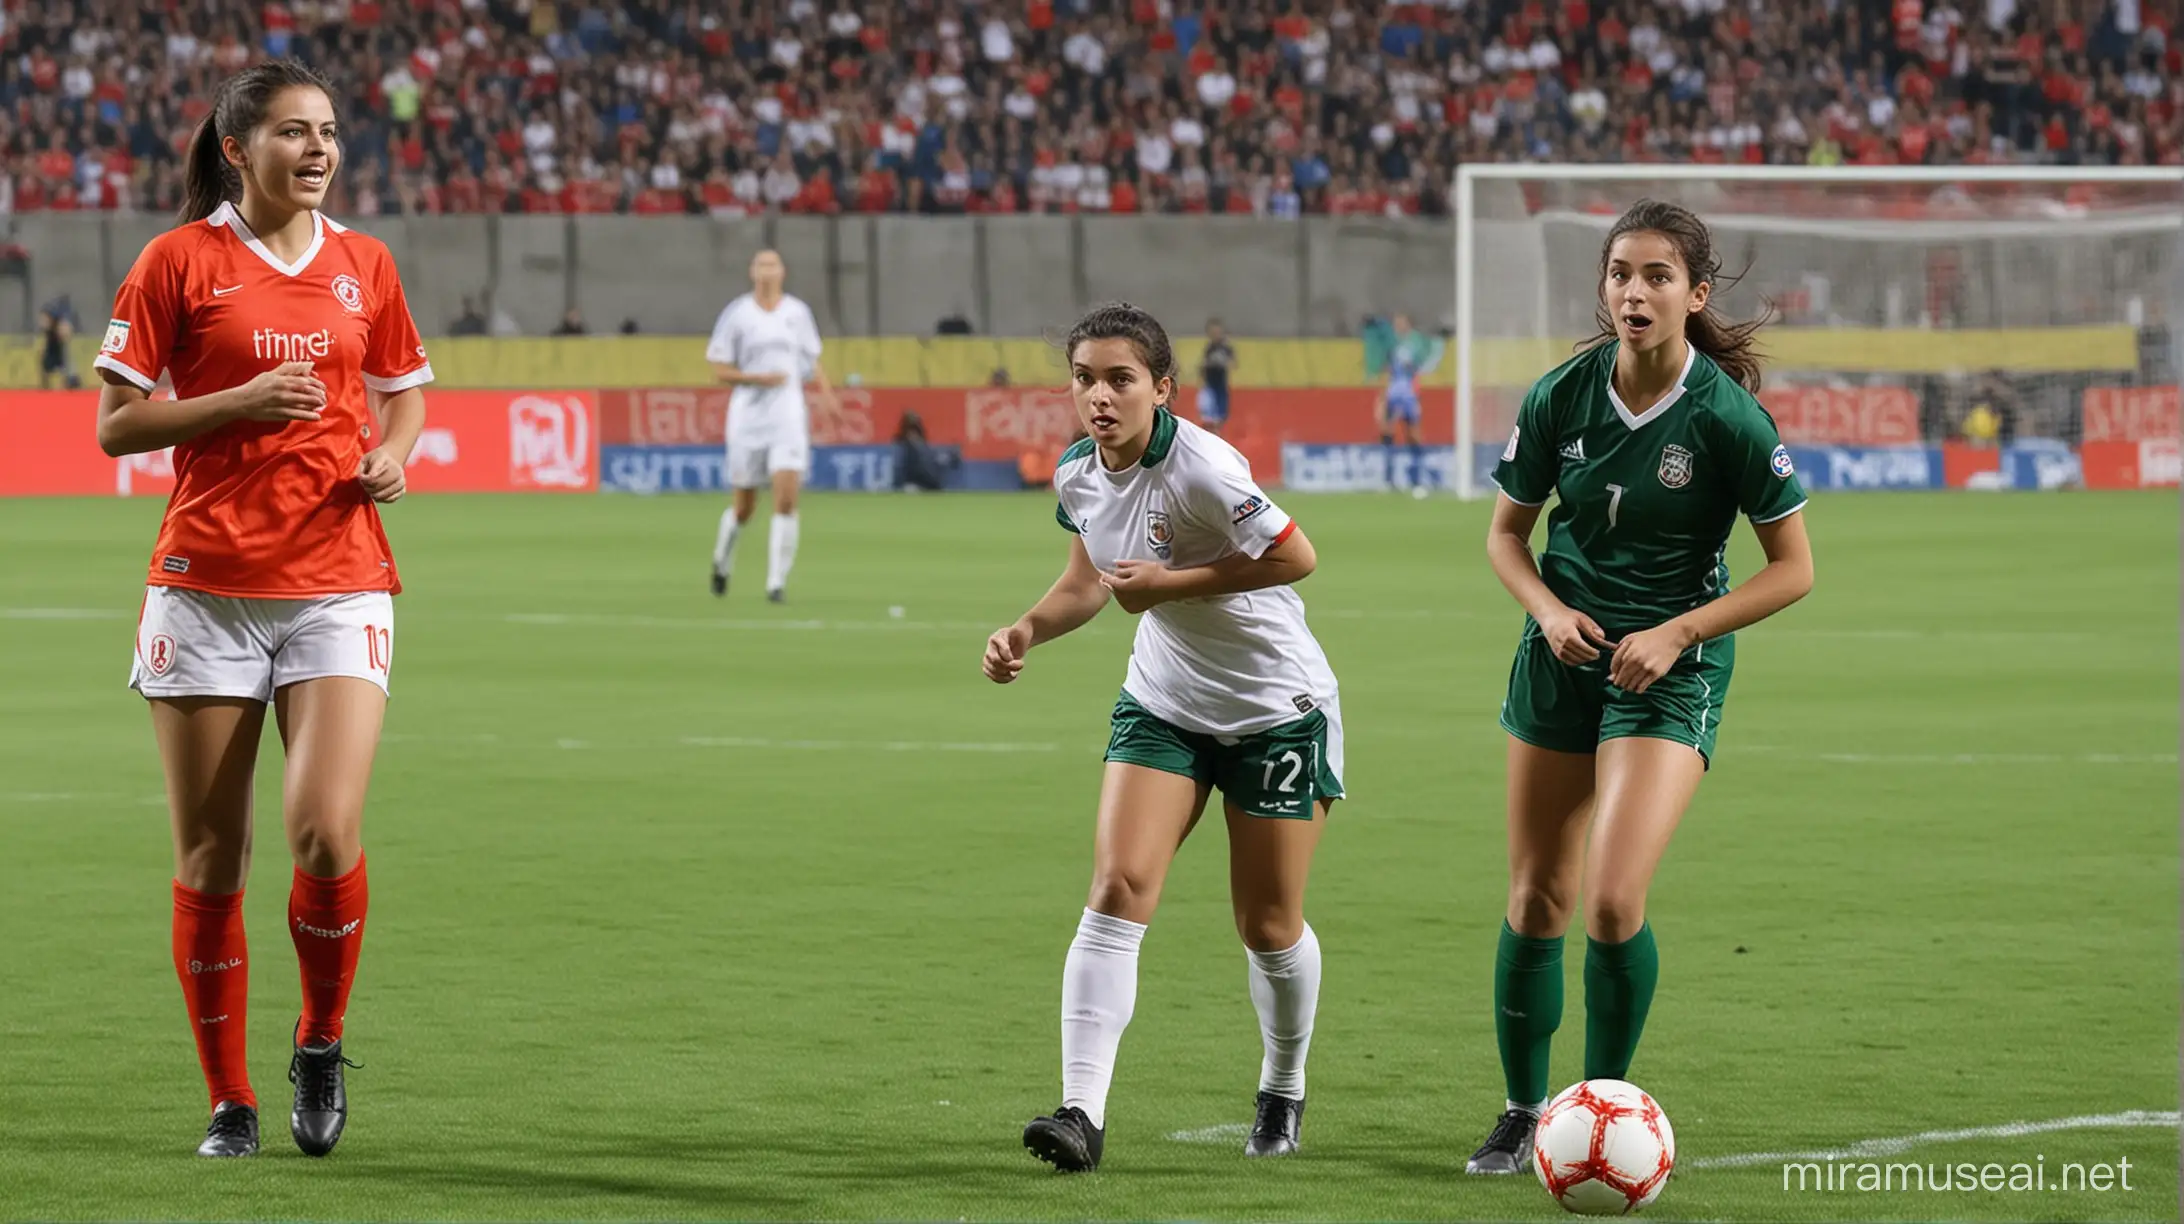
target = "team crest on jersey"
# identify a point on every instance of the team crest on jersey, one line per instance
(349, 293)
(1675, 467)
(1158, 533)
(1781, 463)
(117, 336)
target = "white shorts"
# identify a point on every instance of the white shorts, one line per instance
(751, 465)
(190, 644)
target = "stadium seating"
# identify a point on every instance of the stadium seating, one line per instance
(1247, 106)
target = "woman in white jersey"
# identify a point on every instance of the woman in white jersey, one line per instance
(1226, 689)
(766, 345)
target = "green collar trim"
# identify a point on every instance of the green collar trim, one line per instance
(1162, 441)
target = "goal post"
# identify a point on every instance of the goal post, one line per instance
(1905, 297)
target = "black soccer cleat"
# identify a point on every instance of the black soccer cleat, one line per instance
(720, 583)
(232, 1132)
(322, 1096)
(1278, 1128)
(1508, 1147)
(1067, 1140)
(777, 595)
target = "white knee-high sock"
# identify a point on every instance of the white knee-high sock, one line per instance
(1099, 991)
(724, 542)
(1285, 990)
(780, 551)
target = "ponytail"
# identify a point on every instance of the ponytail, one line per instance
(1732, 345)
(207, 180)
(238, 107)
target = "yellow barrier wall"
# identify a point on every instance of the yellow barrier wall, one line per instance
(953, 361)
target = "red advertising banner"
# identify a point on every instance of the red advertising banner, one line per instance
(992, 422)
(473, 442)
(2151, 463)
(2130, 414)
(1961, 465)
(1844, 416)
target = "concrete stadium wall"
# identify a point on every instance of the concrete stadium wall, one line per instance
(864, 276)
(1316, 277)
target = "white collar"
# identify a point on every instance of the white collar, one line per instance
(232, 217)
(1638, 421)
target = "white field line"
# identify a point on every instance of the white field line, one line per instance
(1226, 1132)
(704, 623)
(65, 614)
(1968, 758)
(819, 745)
(751, 742)
(1865, 1149)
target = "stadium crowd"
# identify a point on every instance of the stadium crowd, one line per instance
(1274, 107)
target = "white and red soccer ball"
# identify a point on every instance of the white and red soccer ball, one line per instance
(1603, 1147)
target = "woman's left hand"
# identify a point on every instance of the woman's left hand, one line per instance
(1137, 585)
(382, 477)
(1642, 658)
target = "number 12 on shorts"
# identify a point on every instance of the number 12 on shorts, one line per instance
(379, 647)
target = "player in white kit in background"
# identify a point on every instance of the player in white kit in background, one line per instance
(766, 346)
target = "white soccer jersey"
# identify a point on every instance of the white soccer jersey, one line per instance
(1219, 665)
(784, 341)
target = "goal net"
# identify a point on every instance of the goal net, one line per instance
(1989, 314)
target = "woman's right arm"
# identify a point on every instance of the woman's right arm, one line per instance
(1074, 599)
(132, 423)
(735, 376)
(1573, 636)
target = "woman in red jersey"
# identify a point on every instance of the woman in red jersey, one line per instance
(296, 370)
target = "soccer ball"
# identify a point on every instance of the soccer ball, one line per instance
(1603, 1147)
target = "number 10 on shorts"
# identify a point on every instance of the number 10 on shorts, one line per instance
(379, 647)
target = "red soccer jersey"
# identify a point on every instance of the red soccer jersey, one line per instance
(269, 510)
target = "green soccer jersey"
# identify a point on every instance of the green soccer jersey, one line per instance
(1646, 501)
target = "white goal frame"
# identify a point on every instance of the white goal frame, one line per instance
(1469, 175)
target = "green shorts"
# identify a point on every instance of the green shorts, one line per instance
(1281, 774)
(1574, 709)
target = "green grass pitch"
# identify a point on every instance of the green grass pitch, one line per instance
(698, 909)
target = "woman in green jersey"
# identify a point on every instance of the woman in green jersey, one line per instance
(1652, 443)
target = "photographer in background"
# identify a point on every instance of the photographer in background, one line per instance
(918, 463)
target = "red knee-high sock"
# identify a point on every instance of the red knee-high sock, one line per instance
(326, 919)
(213, 962)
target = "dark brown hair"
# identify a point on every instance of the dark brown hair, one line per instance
(237, 109)
(1122, 321)
(1732, 346)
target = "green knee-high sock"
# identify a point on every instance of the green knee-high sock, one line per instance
(1527, 1010)
(1619, 981)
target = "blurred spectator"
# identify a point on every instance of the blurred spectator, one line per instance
(1213, 377)
(629, 327)
(954, 323)
(470, 322)
(1275, 107)
(56, 324)
(572, 323)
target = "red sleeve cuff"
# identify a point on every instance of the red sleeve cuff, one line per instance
(1286, 533)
